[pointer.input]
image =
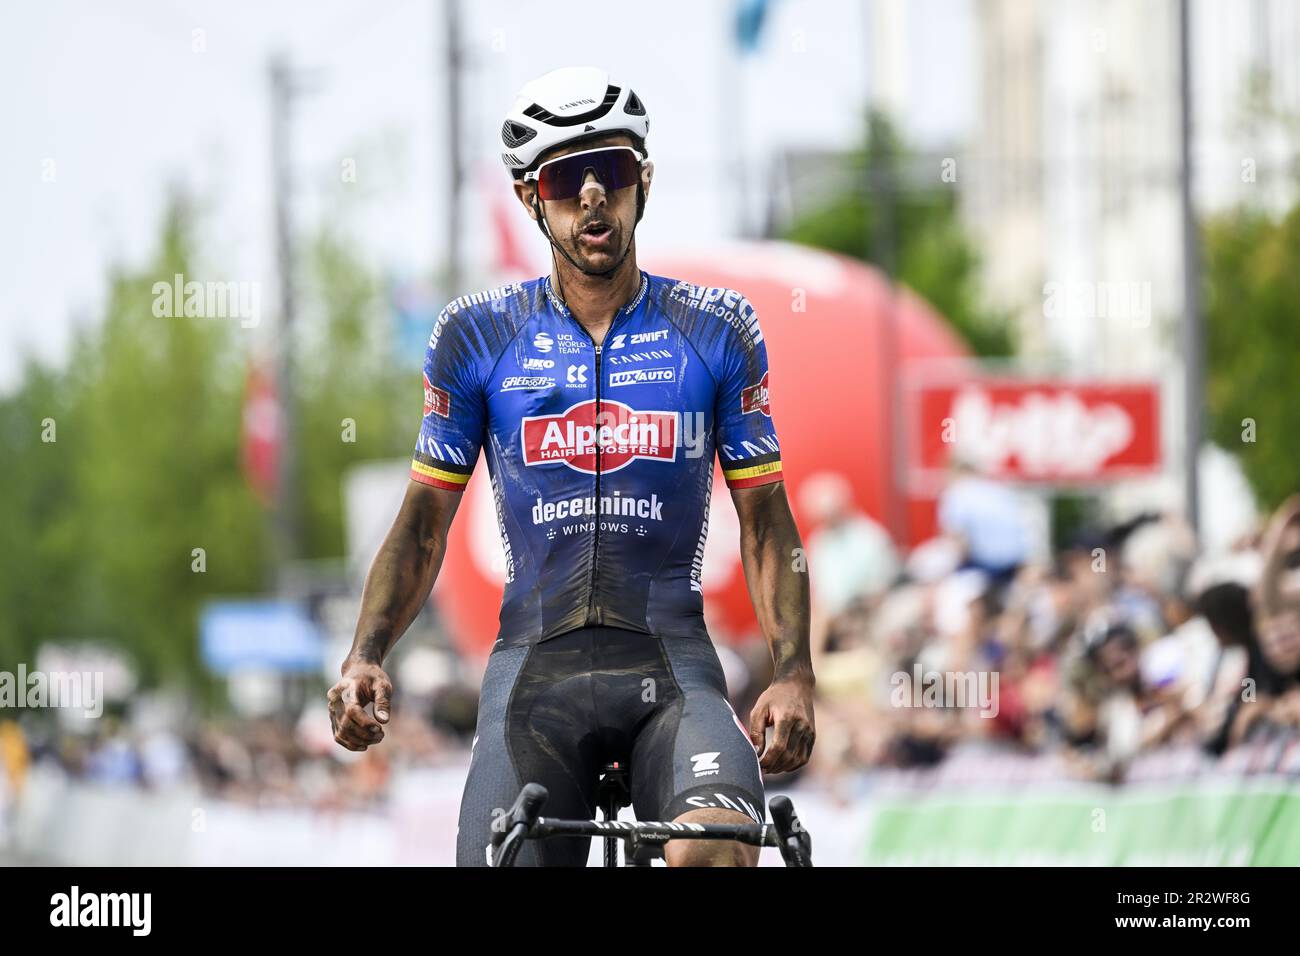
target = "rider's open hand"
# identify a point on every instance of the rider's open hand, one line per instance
(360, 685)
(787, 706)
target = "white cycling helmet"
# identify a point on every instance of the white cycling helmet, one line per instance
(564, 105)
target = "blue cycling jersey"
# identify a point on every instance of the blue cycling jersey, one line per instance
(600, 456)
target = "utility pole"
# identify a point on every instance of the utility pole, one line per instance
(452, 146)
(731, 132)
(286, 528)
(1191, 331)
(880, 184)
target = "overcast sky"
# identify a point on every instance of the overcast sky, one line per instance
(103, 105)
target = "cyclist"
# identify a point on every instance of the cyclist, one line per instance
(600, 395)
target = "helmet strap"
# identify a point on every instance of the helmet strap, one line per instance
(545, 227)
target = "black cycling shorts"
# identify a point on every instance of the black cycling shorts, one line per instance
(556, 712)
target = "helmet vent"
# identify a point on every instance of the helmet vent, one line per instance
(633, 106)
(543, 115)
(516, 134)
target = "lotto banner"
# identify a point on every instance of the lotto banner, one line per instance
(1243, 823)
(1054, 432)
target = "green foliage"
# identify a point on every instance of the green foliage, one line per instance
(101, 523)
(347, 371)
(1252, 268)
(38, 539)
(98, 528)
(913, 233)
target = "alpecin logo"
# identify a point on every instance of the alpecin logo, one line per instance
(620, 432)
(436, 400)
(754, 398)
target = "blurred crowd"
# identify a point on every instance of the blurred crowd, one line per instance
(269, 761)
(1123, 640)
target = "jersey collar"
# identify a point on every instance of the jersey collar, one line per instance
(558, 304)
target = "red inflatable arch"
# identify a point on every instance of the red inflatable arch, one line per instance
(832, 350)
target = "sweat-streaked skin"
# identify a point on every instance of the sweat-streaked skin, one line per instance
(710, 852)
(403, 572)
(397, 585)
(769, 541)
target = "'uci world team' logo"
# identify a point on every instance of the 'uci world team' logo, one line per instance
(619, 432)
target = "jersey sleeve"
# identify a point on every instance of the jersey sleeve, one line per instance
(747, 445)
(455, 413)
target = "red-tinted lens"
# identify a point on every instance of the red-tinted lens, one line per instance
(562, 178)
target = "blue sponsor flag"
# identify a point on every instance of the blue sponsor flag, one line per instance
(749, 23)
(414, 306)
(266, 635)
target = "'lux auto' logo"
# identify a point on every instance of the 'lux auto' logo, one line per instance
(618, 431)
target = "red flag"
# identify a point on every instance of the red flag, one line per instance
(510, 259)
(261, 432)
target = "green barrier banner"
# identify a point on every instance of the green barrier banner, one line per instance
(1242, 824)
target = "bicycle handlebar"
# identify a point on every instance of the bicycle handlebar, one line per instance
(523, 822)
(794, 841)
(510, 829)
(655, 831)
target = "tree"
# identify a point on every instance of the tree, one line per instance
(126, 462)
(123, 504)
(914, 233)
(39, 559)
(158, 476)
(356, 403)
(1252, 263)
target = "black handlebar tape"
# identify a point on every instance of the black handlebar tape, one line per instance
(519, 820)
(795, 842)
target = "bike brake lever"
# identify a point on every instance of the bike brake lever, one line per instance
(510, 829)
(794, 841)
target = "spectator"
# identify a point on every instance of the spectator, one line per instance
(1111, 649)
(1140, 705)
(1272, 699)
(850, 555)
(986, 518)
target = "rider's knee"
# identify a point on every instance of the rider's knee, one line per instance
(710, 853)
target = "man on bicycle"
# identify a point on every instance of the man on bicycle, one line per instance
(599, 394)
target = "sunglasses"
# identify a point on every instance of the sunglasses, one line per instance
(562, 177)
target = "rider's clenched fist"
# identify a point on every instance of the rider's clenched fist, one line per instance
(360, 685)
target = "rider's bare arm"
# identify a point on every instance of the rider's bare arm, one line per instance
(400, 579)
(770, 551)
(403, 572)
